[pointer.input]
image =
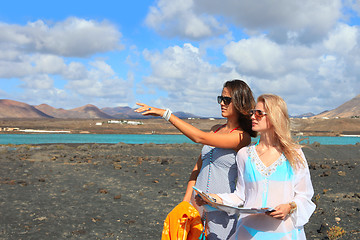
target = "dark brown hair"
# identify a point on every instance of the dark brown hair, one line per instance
(243, 100)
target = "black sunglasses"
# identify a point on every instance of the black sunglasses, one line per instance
(258, 113)
(226, 100)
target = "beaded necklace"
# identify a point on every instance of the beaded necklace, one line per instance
(210, 163)
(203, 234)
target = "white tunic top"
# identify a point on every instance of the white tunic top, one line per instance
(261, 186)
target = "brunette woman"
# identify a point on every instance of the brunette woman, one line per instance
(215, 170)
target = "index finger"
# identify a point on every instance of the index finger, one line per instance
(140, 104)
(273, 213)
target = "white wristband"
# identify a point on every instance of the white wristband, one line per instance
(167, 114)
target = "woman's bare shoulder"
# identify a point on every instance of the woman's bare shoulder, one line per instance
(216, 127)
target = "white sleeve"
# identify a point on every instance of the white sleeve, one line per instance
(303, 194)
(237, 198)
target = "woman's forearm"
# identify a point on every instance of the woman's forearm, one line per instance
(234, 140)
(192, 180)
(189, 191)
(188, 130)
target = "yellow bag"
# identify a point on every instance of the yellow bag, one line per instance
(183, 222)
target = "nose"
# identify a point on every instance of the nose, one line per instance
(222, 103)
(252, 116)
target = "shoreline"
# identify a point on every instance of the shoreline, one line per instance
(91, 138)
(309, 127)
(27, 131)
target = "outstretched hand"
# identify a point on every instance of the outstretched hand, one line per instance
(147, 110)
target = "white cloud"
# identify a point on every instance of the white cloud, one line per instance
(40, 81)
(304, 21)
(15, 69)
(341, 61)
(311, 78)
(75, 70)
(54, 97)
(94, 83)
(38, 53)
(297, 49)
(8, 54)
(177, 67)
(38, 48)
(298, 72)
(354, 4)
(342, 39)
(177, 18)
(262, 58)
(258, 56)
(191, 82)
(295, 72)
(49, 64)
(101, 81)
(73, 37)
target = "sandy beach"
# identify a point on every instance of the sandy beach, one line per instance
(121, 191)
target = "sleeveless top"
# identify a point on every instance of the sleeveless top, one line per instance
(218, 174)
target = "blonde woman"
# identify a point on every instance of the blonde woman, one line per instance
(272, 173)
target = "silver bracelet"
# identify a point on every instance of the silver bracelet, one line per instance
(167, 114)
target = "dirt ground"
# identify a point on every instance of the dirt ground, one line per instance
(123, 191)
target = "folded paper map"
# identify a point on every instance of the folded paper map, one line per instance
(213, 205)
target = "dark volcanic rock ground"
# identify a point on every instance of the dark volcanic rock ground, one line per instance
(121, 191)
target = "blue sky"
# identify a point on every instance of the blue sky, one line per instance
(178, 53)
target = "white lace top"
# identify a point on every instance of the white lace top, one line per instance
(261, 186)
(260, 166)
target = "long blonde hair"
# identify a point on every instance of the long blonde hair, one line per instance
(277, 114)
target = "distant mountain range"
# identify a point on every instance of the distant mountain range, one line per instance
(15, 109)
(350, 108)
(87, 111)
(306, 115)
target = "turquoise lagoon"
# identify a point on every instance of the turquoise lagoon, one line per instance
(140, 139)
